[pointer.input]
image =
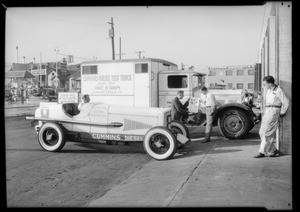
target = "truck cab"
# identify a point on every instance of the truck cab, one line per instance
(170, 82)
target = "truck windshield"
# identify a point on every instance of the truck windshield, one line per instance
(177, 81)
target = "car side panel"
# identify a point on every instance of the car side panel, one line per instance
(98, 114)
(132, 124)
(83, 116)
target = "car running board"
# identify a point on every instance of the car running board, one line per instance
(112, 124)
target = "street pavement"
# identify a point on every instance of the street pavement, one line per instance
(223, 173)
(22, 109)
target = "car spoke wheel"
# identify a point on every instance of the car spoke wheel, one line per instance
(51, 137)
(160, 143)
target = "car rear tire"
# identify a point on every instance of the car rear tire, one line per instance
(51, 137)
(234, 123)
(178, 127)
(160, 143)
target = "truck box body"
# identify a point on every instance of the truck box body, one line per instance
(124, 82)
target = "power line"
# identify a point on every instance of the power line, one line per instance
(69, 41)
(139, 52)
(61, 20)
(75, 57)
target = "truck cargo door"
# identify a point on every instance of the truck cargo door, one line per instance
(141, 85)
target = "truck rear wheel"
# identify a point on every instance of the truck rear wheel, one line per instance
(234, 123)
(178, 127)
(51, 137)
(160, 143)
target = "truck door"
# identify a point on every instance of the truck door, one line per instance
(141, 85)
(169, 84)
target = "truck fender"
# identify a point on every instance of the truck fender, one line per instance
(221, 109)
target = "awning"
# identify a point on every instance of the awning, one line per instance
(18, 74)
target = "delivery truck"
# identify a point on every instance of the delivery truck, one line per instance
(152, 82)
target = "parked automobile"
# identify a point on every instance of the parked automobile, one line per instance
(57, 123)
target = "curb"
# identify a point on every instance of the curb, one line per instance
(25, 106)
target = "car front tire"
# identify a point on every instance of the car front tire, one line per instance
(51, 137)
(160, 143)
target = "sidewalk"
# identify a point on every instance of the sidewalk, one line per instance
(19, 109)
(222, 173)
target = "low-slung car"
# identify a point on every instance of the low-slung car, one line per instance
(57, 123)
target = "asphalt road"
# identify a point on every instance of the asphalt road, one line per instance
(70, 178)
(73, 177)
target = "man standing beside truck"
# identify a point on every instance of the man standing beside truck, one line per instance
(276, 105)
(178, 110)
(210, 107)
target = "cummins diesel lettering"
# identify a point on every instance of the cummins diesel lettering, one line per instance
(117, 137)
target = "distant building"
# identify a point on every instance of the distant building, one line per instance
(231, 77)
(19, 74)
(74, 80)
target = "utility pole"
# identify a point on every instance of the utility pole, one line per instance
(111, 34)
(182, 66)
(120, 51)
(24, 59)
(17, 53)
(139, 52)
(40, 76)
(56, 50)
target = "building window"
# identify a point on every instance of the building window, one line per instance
(177, 81)
(250, 86)
(240, 72)
(251, 72)
(213, 73)
(89, 70)
(229, 85)
(239, 86)
(141, 68)
(228, 72)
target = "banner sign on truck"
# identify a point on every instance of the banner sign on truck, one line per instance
(112, 79)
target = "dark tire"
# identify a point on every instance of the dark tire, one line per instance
(234, 123)
(178, 127)
(160, 143)
(51, 137)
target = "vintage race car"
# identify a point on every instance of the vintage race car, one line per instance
(57, 123)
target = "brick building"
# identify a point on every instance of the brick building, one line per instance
(275, 53)
(232, 77)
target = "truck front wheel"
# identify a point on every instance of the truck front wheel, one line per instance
(234, 123)
(160, 143)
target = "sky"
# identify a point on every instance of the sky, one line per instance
(198, 36)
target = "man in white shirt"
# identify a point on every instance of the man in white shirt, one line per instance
(276, 105)
(210, 107)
